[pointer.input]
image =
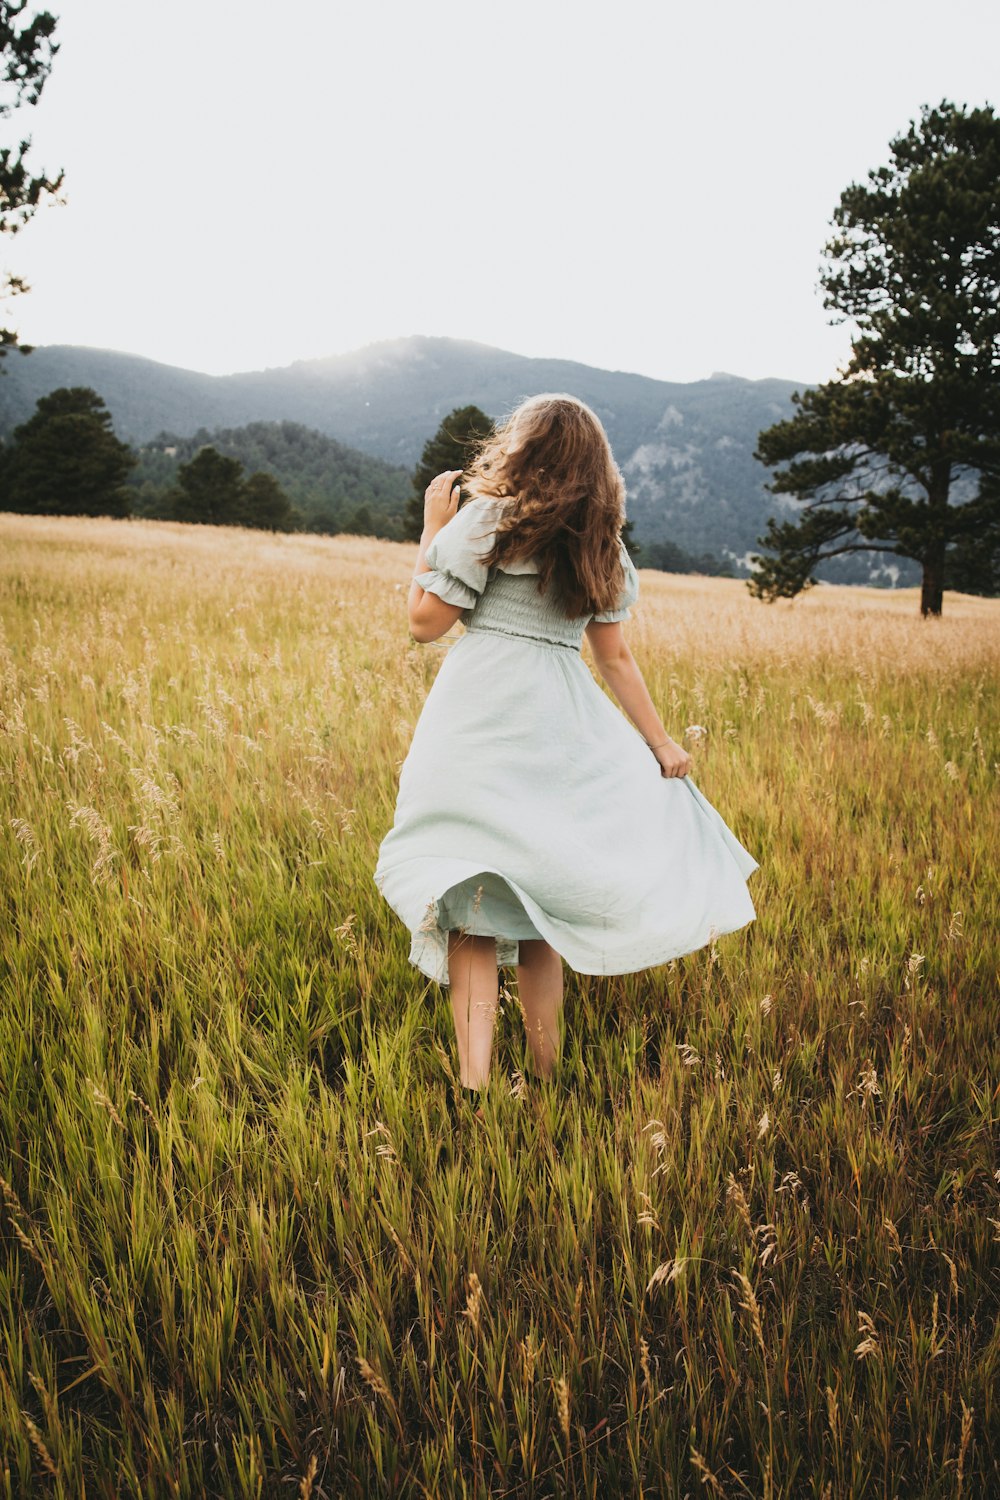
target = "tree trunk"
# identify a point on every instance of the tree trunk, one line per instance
(932, 584)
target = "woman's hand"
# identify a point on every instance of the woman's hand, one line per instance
(441, 501)
(674, 759)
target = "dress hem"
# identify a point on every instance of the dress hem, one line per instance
(429, 945)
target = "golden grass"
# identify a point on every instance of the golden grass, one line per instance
(747, 1241)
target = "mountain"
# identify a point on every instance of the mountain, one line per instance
(685, 449)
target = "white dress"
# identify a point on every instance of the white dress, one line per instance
(529, 806)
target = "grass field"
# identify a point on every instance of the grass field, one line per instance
(745, 1243)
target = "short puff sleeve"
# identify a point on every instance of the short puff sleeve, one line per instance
(627, 597)
(455, 568)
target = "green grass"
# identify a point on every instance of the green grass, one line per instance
(745, 1243)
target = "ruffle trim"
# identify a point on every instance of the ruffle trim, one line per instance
(447, 587)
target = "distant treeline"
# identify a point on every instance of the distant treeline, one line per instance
(669, 558)
(331, 488)
(281, 476)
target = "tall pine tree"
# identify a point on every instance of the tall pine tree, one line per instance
(212, 490)
(901, 454)
(65, 460)
(451, 447)
(209, 489)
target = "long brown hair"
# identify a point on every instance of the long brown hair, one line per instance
(551, 463)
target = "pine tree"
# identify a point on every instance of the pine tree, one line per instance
(65, 460)
(632, 547)
(901, 454)
(265, 504)
(212, 490)
(451, 447)
(209, 490)
(359, 522)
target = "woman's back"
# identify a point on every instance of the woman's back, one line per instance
(505, 600)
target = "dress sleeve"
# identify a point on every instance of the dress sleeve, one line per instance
(627, 597)
(455, 569)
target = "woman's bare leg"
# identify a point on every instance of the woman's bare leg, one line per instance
(472, 971)
(540, 991)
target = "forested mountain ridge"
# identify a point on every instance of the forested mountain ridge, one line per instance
(332, 486)
(685, 449)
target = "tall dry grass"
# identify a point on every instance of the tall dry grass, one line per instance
(747, 1242)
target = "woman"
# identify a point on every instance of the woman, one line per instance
(533, 823)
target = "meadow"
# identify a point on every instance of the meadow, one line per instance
(745, 1242)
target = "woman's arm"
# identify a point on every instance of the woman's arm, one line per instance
(617, 666)
(430, 617)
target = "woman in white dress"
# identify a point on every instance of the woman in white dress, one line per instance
(534, 824)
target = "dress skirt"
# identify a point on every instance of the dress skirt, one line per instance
(529, 807)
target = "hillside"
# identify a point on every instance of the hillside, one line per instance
(686, 450)
(335, 488)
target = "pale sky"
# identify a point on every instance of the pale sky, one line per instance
(636, 185)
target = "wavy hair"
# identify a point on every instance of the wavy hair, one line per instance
(564, 499)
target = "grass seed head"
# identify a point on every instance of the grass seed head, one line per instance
(749, 1303)
(893, 1234)
(26, 838)
(562, 1395)
(738, 1198)
(529, 1356)
(306, 1482)
(474, 1301)
(705, 1474)
(667, 1271)
(372, 1377)
(869, 1344)
(963, 1444)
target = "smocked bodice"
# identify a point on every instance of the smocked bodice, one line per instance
(505, 600)
(510, 604)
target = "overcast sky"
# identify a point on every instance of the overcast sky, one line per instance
(639, 185)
